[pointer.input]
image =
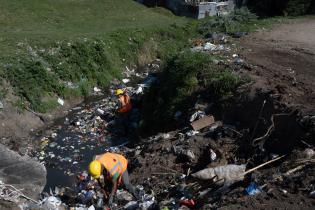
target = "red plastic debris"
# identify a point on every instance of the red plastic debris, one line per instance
(188, 202)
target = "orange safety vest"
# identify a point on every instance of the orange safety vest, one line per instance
(125, 103)
(114, 163)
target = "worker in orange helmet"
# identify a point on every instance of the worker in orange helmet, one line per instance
(113, 167)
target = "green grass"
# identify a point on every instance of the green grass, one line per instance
(42, 21)
(45, 44)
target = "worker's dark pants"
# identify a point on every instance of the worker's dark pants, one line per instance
(128, 185)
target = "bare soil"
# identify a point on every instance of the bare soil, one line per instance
(283, 60)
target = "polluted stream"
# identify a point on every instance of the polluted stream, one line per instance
(201, 168)
(88, 130)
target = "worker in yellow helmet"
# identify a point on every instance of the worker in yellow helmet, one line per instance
(113, 167)
(124, 101)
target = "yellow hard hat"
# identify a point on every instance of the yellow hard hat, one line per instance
(119, 91)
(95, 169)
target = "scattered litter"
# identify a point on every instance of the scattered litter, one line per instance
(51, 203)
(197, 115)
(213, 155)
(132, 205)
(96, 89)
(126, 80)
(252, 189)
(61, 102)
(209, 46)
(191, 133)
(239, 61)
(100, 111)
(188, 202)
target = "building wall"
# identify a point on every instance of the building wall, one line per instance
(215, 8)
(179, 7)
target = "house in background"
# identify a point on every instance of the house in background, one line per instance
(194, 8)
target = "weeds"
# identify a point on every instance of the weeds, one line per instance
(185, 77)
(239, 20)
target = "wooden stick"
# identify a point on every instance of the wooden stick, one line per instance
(257, 167)
(291, 171)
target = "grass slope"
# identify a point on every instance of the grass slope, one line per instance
(47, 44)
(46, 20)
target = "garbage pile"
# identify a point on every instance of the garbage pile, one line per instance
(199, 167)
(204, 172)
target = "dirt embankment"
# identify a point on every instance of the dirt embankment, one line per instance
(283, 61)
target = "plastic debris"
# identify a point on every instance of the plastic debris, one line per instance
(209, 47)
(197, 115)
(125, 80)
(252, 189)
(96, 89)
(60, 101)
(51, 203)
(191, 133)
(188, 202)
(132, 205)
(213, 155)
(1, 105)
(222, 174)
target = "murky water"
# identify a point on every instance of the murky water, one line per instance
(74, 141)
(81, 135)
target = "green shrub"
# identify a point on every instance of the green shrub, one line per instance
(297, 7)
(31, 81)
(185, 76)
(238, 20)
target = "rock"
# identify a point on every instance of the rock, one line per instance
(22, 172)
